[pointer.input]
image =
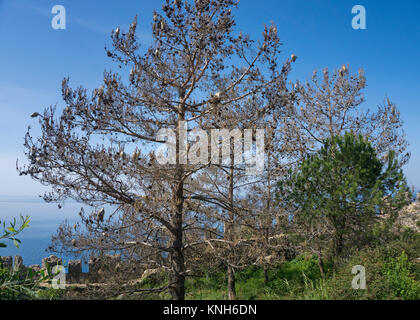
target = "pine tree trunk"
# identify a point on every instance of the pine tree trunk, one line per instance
(177, 273)
(177, 276)
(229, 231)
(231, 284)
(339, 246)
(265, 276)
(176, 255)
(321, 263)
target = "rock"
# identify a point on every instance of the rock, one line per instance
(94, 266)
(105, 266)
(51, 262)
(409, 217)
(35, 267)
(75, 271)
(7, 262)
(18, 265)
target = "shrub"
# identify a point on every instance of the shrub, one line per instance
(18, 286)
(399, 274)
(389, 275)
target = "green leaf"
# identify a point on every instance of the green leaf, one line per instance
(26, 223)
(3, 245)
(16, 243)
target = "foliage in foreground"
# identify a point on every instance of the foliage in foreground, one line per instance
(15, 284)
(12, 230)
(392, 273)
(23, 286)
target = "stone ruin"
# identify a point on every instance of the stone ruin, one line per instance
(100, 268)
(409, 216)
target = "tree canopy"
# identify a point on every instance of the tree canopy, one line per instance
(343, 189)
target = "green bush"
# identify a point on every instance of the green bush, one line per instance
(390, 275)
(21, 286)
(17, 285)
(401, 281)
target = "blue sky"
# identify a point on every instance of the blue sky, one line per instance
(34, 58)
